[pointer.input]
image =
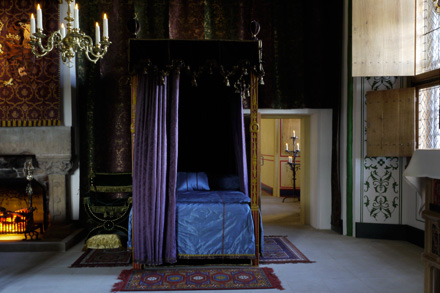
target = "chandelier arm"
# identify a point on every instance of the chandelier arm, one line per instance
(84, 42)
(36, 52)
(55, 39)
(37, 45)
(97, 52)
(93, 53)
(86, 52)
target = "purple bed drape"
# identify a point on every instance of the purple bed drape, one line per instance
(155, 169)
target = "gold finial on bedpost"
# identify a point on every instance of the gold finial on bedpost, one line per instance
(255, 29)
(134, 26)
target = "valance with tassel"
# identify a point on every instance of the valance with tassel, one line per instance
(233, 60)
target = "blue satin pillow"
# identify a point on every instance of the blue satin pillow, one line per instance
(192, 181)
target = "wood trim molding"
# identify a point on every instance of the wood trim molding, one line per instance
(426, 79)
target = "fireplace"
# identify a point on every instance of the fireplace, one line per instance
(50, 149)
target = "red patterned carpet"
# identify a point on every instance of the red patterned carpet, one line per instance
(165, 279)
(278, 249)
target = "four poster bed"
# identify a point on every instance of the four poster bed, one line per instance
(192, 195)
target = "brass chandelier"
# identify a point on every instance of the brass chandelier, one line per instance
(71, 41)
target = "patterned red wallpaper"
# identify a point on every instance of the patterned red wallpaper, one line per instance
(29, 86)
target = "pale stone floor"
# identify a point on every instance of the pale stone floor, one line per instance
(342, 264)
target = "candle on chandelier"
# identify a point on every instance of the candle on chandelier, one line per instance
(297, 146)
(63, 31)
(294, 133)
(39, 17)
(76, 17)
(105, 26)
(32, 24)
(287, 146)
(97, 34)
(290, 159)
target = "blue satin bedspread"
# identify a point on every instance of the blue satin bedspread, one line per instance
(214, 224)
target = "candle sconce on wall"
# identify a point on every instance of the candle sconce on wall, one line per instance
(71, 41)
(294, 165)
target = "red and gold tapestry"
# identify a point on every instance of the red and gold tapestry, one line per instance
(29, 86)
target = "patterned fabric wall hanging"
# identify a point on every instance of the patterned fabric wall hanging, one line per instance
(29, 86)
(104, 93)
(282, 33)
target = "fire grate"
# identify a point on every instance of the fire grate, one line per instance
(22, 221)
(19, 222)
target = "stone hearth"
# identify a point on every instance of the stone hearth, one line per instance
(65, 239)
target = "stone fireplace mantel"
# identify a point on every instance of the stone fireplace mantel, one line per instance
(52, 149)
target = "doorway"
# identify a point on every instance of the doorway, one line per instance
(281, 170)
(315, 180)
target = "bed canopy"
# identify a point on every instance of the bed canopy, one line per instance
(187, 105)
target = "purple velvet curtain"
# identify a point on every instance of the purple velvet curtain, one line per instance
(155, 169)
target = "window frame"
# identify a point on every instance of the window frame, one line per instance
(423, 81)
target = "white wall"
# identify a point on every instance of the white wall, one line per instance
(69, 118)
(320, 169)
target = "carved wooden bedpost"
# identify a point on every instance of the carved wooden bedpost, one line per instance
(255, 164)
(134, 27)
(255, 141)
(134, 85)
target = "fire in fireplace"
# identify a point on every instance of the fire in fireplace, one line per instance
(13, 222)
(19, 222)
(21, 211)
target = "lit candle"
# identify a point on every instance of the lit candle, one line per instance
(294, 133)
(39, 17)
(62, 31)
(32, 24)
(105, 26)
(297, 146)
(76, 17)
(97, 34)
(290, 159)
(287, 147)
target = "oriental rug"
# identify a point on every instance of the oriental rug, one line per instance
(103, 258)
(212, 278)
(278, 249)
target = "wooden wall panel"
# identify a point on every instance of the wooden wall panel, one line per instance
(391, 123)
(374, 125)
(383, 34)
